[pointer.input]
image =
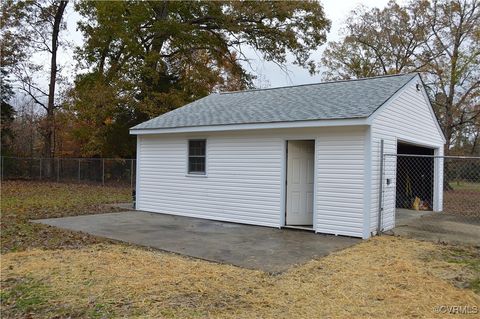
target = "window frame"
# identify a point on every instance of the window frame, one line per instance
(196, 173)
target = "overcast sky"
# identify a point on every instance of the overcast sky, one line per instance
(270, 75)
(337, 11)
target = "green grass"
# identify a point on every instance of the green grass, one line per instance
(25, 296)
(100, 310)
(468, 257)
(475, 285)
(22, 201)
(461, 185)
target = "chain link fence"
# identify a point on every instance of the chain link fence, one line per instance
(105, 171)
(439, 194)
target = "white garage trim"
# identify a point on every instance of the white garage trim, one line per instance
(438, 180)
(253, 126)
(367, 191)
(137, 174)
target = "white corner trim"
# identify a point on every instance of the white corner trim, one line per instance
(315, 183)
(283, 186)
(253, 126)
(367, 190)
(137, 174)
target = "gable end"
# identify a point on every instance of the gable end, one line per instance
(414, 81)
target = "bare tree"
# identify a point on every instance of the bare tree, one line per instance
(454, 74)
(36, 25)
(441, 39)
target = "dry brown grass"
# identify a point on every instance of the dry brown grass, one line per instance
(380, 278)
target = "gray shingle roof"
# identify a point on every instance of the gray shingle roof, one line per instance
(328, 100)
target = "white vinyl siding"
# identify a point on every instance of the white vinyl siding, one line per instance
(408, 118)
(245, 177)
(242, 185)
(340, 181)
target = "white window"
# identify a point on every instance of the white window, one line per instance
(197, 156)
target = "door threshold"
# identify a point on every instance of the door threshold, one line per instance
(306, 227)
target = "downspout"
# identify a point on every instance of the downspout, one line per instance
(380, 194)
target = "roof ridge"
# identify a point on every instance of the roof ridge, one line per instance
(320, 83)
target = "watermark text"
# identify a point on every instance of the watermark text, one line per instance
(455, 309)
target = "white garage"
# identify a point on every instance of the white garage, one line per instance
(304, 156)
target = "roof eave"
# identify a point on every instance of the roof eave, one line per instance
(254, 126)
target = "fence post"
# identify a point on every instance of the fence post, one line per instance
(78, 170)
(40, 168)
(131, 174)
(103, 172)
(58, 169)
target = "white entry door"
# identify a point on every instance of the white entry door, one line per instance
(300, 176)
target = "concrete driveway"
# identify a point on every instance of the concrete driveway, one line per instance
(254, 247)
(443, 227)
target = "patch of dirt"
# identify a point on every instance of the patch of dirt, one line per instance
(462, 202)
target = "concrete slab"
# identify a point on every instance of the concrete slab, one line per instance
(254, 247)
(438, 227)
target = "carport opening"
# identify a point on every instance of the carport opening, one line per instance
(415, 177)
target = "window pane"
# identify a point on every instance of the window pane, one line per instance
(196, 156)
(196, 164)
(196, 148)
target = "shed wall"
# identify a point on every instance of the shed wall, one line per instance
(242, 183)
(340, 182)
(246, 177)
(408, 117)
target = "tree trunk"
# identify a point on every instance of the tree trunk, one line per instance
(49, 136)
(154, 79)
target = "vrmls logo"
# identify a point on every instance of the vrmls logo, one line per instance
(464, 310)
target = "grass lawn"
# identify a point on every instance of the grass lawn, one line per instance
(71, 275)
(22, 201)
(461, 185)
